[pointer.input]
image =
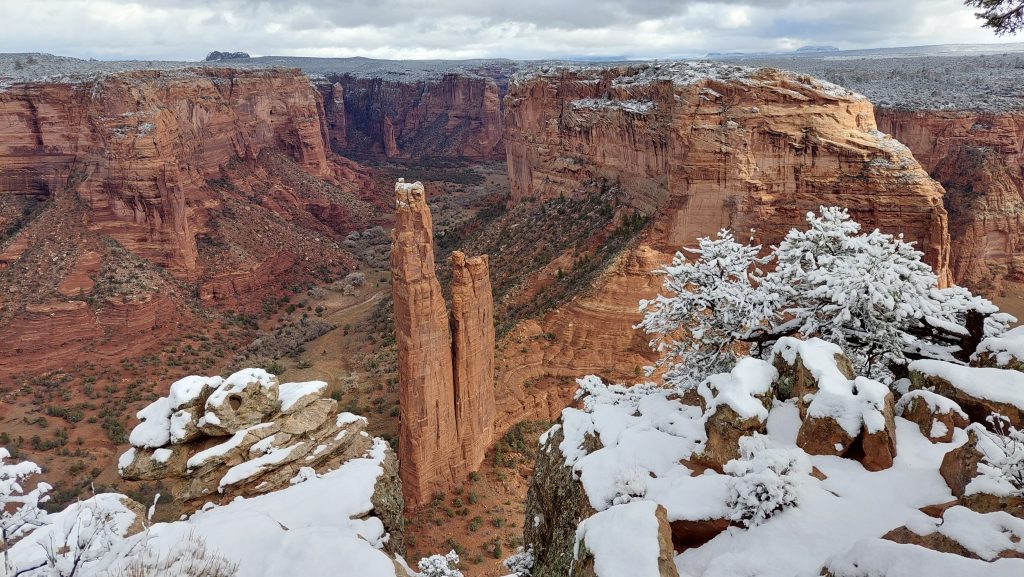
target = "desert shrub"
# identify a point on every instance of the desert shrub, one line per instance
(765, 480)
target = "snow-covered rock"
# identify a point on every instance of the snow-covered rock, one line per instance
(980, 391)
(837, 407)
(332, 524)
(777, 511)
(1005, 351)
(934, 414)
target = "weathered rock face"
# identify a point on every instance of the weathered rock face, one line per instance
(977, 158)
(472, 323)
(593, 333)
(454, 115)
(221, 178)
(139, 147)
(704, 147)
(445, 370)
(555, 505)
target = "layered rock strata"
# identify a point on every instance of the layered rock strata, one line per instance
(707, 146)
(445, 366)
(454, 115)
(977, 157)
(472, 324)
(139, 147)
(123, 196)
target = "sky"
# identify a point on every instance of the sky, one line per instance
(457, 29)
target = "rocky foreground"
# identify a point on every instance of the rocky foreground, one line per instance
(793, 466)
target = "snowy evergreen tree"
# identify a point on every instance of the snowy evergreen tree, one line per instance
(716, 302)
(869, 293)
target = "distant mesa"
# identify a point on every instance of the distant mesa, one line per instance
(815, 49)
(217, 55)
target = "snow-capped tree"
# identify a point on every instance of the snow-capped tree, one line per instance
(716, 302)
(520, 563)
(440, 565)
(1003, 462)
(869, 293)
(20, 510)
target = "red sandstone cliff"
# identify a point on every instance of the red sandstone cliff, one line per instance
(698, 148)
(977, 157)
(706, 146)
(221, 178)
(453, 115)
(446, 376)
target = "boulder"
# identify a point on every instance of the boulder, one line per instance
(724, 430)
(802, 364)
(843, 414)
(311, 417)
(1005, 351)
(978, 391)
(141, 464)
(735, 405)
(960, 467)
(935, 415)
(879, 445)
(962, 531)
(242, 400)
(294, 397)
(823, 436)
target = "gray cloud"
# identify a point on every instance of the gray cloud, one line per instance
(188, 29)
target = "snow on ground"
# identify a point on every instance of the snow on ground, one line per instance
(310, 529)
(832, 516)
(646, 432)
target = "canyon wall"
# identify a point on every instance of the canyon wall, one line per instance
(696, 147)
(139, 147)
(456, 115)
(125, 196)
(445, 365)
(704, 146)
(978, 158)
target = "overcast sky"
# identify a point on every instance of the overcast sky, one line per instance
(188, 29)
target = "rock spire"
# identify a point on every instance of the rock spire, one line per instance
(445, 365)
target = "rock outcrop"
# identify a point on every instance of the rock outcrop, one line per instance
(708, 146)
(978, 391)
(936, 416)
(453, 115)
(214, 439)
(445, 366)
(976, 156)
